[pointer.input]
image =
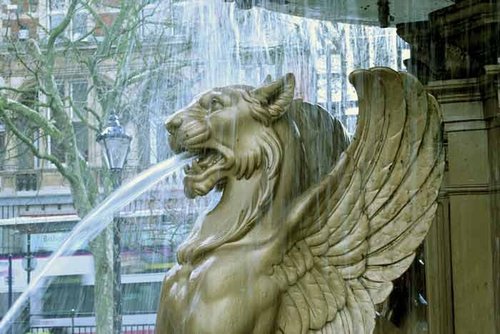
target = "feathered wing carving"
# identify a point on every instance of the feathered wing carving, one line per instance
(357, 230)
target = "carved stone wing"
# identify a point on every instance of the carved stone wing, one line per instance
(347, 238)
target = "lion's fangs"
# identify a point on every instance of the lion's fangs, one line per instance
(203, 162)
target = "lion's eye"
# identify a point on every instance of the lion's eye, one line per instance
(215, 104)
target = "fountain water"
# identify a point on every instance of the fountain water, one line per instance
(228, 46)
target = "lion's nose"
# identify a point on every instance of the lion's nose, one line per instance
(173, 124)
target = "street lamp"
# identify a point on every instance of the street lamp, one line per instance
(116, 145)
(29, 264)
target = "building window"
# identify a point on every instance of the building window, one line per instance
(58, 5)
(77, 92)
(77, 28)
(26, 182)
(331, 79)
(25, 159)
(3, 145)
(26, 6)
(68, 293)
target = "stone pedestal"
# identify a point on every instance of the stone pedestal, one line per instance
(457, 53)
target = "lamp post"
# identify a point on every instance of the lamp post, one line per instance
(29, 264)
(10, 280)
(116, 145)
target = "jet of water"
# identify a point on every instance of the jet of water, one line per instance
(92, 224)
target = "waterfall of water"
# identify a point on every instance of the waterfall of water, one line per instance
(227, 45)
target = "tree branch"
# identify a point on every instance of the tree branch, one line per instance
(97, 18)
(29, 143)
(80, 116)
(57, 31)
(32, 115)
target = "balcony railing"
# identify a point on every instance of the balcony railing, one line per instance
(27, 182)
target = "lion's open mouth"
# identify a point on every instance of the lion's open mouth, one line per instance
(206, 171)
(203, 162)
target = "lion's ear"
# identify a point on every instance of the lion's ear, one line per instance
(267, 80)
(276, 96)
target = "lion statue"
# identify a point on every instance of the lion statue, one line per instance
(310, 229)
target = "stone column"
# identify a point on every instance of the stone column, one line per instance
(456, 52)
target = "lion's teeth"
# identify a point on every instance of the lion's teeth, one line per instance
(196, 167)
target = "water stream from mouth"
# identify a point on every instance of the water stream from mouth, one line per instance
(95, 222)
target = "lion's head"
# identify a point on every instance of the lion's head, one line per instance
(257, 144)
(229, 130)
